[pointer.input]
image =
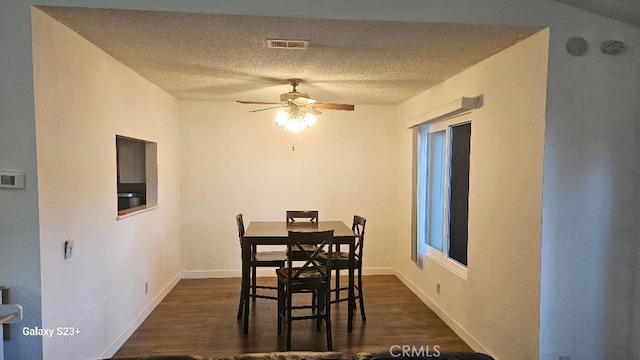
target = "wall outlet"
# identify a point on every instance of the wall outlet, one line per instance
(146, 287)
(438, 288)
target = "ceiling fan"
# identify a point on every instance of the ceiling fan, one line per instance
(299, 102)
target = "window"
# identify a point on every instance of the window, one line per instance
(443, 189)
(137, 174)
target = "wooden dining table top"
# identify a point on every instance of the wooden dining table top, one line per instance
(280, 229)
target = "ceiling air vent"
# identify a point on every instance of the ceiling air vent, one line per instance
(287, 44)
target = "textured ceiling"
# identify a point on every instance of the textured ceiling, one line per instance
(223, 57)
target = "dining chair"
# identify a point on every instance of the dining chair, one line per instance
(309, 216)
(273, 259)
(340, 261)
(313, 276)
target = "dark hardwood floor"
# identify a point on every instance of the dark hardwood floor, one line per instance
(199, 317)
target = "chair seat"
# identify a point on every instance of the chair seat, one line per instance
(307, 248)
(269, 259)
(339, 260)
(269, 256)
(336, 256)
(307, 275)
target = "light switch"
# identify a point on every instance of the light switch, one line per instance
(11, 180)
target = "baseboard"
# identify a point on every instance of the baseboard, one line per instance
(452, 323)
(208, 274)
(267, 272)
(378, 271)
(133, 326)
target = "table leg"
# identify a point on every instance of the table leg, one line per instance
(246, 271)
(337, 277)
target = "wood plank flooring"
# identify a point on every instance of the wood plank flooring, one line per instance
(199, 317)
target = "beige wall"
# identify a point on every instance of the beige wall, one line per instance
(499, 299)
(224, 160)
(234, 162)
(588, 96)
(83, 98)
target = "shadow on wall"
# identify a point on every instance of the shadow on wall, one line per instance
(587, 261)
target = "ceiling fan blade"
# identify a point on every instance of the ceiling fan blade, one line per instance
(310, 110)
(257, 102)
(299, 101)
(303, 101)
(270, 108)
(329, 106)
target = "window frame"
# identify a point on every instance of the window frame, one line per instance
(424, 248)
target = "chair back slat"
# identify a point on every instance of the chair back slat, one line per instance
(240, 223)
(310, 215)
(312, 261)
(358, 227)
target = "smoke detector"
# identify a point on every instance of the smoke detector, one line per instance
(612, 47)
(577, 46)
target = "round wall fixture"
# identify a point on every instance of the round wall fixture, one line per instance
(612, 47)
(577, 46)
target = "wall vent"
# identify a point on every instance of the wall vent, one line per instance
(287, 44)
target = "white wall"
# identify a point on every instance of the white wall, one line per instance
(590, 225)
(500, 296)
(582, 91)
(19, 236)
(83, 98)
(635, 317)
(235, 162)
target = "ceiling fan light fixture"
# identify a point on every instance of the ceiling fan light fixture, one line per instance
(298, 109)
(294, 120)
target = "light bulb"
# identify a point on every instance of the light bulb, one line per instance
(282, 117)
(294, 119)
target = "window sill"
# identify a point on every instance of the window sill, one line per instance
(123, 214)
(453, 266)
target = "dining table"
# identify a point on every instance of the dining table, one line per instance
(276, 233)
